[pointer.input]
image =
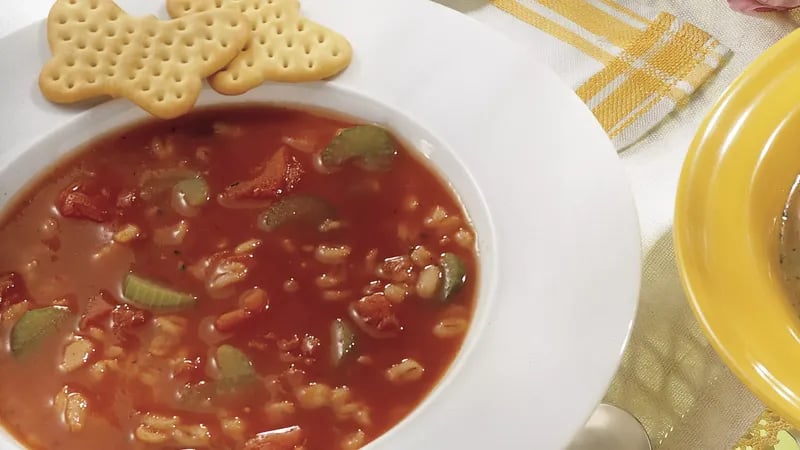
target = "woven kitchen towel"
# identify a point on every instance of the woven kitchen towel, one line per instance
(630, 64)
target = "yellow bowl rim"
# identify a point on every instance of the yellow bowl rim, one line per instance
(779, 56)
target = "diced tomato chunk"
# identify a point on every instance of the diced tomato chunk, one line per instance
(82, 200)
(279, 173)
(12, 289)
(289, 438)
(374, 315)
(97, 308)
(124, 318)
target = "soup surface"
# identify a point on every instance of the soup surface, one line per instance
(790, 245)
(240, 278)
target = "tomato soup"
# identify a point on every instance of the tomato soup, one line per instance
(244, 277)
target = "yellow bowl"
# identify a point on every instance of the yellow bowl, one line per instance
(735, 181)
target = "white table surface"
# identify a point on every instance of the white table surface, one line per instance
(653, 166)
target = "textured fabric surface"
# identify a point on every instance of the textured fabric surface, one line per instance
(670, 377)
(635, 65)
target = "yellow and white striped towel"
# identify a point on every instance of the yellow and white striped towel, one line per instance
(630, 64)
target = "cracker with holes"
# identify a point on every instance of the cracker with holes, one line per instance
(284, 45)
(99, 50)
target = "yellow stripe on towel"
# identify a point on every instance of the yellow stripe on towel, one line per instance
(553, 28)
(651, 61)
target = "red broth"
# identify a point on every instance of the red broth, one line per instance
(318, 325)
